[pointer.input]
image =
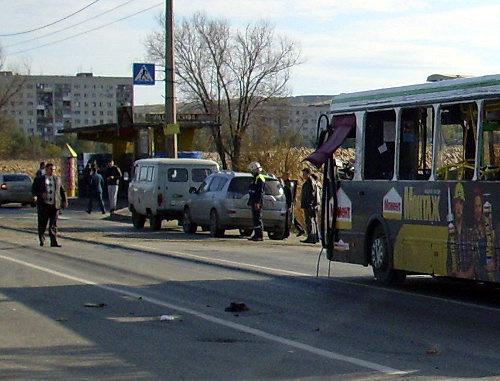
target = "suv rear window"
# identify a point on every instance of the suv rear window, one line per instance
(8, 178)
(273, 187)
(239, 185)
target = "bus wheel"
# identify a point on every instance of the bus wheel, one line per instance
(381, 259)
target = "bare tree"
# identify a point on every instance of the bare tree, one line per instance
(11, 82)
(228, 72)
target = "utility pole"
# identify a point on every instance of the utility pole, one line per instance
(170, 109)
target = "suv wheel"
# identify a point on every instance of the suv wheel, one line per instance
(215, 229)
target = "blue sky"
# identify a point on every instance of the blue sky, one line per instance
(346, 45)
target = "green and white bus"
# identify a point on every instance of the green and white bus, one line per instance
(422, 194)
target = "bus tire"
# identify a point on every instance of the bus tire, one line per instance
(381, 259)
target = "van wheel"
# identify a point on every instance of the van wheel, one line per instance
(382, 260)
(276, 235)
(155, 222)
(215, 230)
(187, 225)
(138, 220)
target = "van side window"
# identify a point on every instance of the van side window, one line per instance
(143, 173)
(150, 173)
(199, 174)
(177, 175)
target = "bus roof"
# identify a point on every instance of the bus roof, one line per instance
(446, 91)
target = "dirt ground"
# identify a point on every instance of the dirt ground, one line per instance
(23, 166)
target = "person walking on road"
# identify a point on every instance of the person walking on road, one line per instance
(256, 195)
(113, 175)
(309, 203)
(51, 197)
(96, 186)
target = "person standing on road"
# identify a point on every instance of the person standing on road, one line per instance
(256, 195)
(113, 175)
(51, 197)
(41, 169)
(289, 188)
(309, 202)
(96, 186)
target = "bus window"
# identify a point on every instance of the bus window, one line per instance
(415, 153)
(490, 165)
(456, 152)
(379, 145)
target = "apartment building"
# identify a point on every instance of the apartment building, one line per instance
(294, 116)
(47, 104)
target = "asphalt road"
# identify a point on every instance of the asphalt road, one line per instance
(117, 303)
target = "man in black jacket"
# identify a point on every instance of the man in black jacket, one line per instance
(309, 202)
(289, 187)
(51, 197)
(113, 175)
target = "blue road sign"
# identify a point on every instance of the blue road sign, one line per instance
(144, 74)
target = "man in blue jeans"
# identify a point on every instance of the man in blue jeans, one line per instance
(96, 185)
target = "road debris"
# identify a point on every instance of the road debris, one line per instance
(237, 307)
(95, 305)
(170, 317)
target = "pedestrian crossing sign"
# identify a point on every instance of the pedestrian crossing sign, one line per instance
(144, 74)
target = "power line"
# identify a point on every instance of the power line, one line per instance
(87, 31)
(68, 27)
(52, 23)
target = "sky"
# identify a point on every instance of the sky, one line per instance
(346, 46)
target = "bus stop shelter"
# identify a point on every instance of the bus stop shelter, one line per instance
(143, 139)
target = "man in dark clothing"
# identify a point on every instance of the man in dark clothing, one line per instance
(96, 185)
(309, 202)
(41, 170)
(289, 188)
(51, 197)
(113, 175)
(256, 193)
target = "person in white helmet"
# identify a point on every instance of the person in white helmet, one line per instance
(256, 193)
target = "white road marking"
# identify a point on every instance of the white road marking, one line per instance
(226, 323)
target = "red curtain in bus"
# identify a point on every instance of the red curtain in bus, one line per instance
(342, 125)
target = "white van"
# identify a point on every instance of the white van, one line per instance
(160, 188)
